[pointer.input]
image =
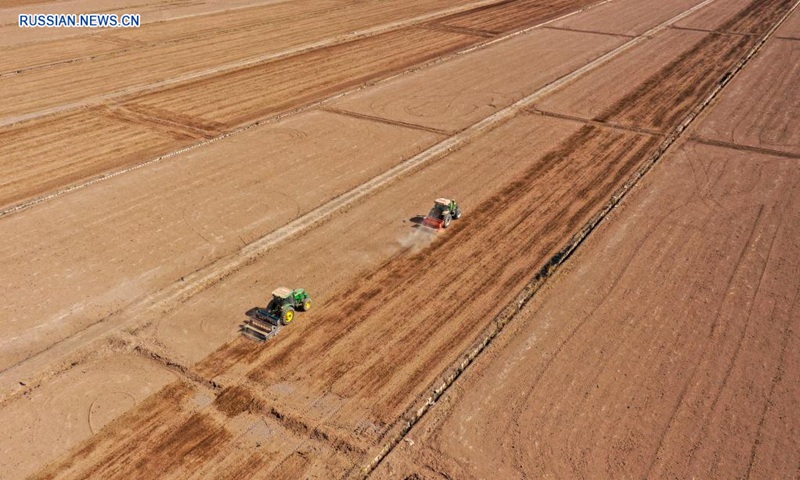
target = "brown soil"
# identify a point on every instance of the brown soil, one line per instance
(94, 141)
(397, 309)
(17, 58)
(84, 400)
(456, 94)
(372, 365)
(626, 17)
(614, 79)
(106, 68)
(282, 171)
(658, 353)
(714, 16)
(279, 86)
(790, 28)
(47, 155)
(703, 66)
(512, 15)
(151, 11)
(664, 349)
(472, 176)
(763, 109)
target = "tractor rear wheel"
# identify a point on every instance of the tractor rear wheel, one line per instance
(446, 220)
(287, 316)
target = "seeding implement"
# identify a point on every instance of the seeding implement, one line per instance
(443, 212)
(265, 323)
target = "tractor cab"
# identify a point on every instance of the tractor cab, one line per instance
(264, 323)
(280, 296)
(285, 302)
(443, 212)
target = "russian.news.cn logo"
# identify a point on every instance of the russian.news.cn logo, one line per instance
(83, 20)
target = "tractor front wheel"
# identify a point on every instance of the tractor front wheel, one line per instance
(307, 305)
(457, 214)
(287, 316)
(446, 221)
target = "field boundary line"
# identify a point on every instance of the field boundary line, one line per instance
(170, 297)
(416, 412)
(274, 118)
(744, 148)
(713, 32)
(126, 43)
(596, 123)
(134, 45)
(210, 275)
(388, 121)
(591, 32)
(243, 64)
(441, 27)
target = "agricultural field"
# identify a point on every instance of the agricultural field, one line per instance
(620, 298)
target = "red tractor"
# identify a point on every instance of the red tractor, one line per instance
(444, 211)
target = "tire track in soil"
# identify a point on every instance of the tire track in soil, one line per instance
(788, 332)
(703, 67)
(595, 122)
(209, 275)
(461, 30)
(591, 32)
(638, 105)
(605, 139)
(496, 212)
(716, 32)
(684, 389)
(167, 122)
(744, 329)
(301, 104)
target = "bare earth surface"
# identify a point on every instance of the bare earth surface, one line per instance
(763, 110)
(454, 95)
(658, 353)
(625, 17)
(156, 183)
(667, 347)
(790, 28)
(221, 212)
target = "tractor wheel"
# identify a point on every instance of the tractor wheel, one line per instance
(307, 305)
(457, 214)
(287, 316)
(446, 221)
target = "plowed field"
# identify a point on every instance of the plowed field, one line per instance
(666, 354)
(618, 300)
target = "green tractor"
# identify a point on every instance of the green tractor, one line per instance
(443, 212)
(285, 303)
(264, 323)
